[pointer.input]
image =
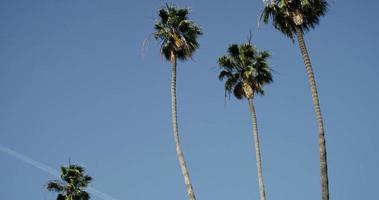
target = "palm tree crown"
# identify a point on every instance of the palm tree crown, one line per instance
(72, 184)
(246, 70)
(288, 15)
(177, 34)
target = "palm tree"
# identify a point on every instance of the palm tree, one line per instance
(72, 184)
(178, 37)
(294, 17)
(246, 72)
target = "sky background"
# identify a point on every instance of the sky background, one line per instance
(75, 86)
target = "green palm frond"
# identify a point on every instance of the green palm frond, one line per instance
(81, 195)
(233, 51)
(224, 74)
(230, 83)
(227, 63)
(176, 32)
(238, 91)
(61, 197)
(55, 186)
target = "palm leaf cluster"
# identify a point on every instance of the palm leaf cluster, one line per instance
(245, 69)
(288, 15)
(176, 32)
(72, 184)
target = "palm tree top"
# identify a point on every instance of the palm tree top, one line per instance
(177, 34)
(72, 183)
(289, 15)
(75, 174)
(245, 69)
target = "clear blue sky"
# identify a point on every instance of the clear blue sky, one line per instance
(74, 86)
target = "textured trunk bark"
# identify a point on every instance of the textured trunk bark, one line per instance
(262, 192)
(320, 123)
(179, 152)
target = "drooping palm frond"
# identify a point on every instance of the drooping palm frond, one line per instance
(263, 71)
(81, 195)
(238, 91)
(224, 74)
(244, 68)
(55, 186)
(288, 15)
(177, 34)
(61, 197)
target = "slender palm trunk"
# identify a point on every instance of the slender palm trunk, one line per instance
(262, 192)
(320, 123)
(179, 152)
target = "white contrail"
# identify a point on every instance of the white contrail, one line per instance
(49, 170)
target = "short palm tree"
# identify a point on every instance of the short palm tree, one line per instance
(246, 71)
(72, 185)
(178, 36)
(293, 18)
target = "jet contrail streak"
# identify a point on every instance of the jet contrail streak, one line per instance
(49, 170)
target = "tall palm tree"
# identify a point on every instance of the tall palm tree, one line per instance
(294, 17)
(72, 185)
(246, 72)
(178, 36)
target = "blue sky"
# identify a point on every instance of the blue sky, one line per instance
(75, 86)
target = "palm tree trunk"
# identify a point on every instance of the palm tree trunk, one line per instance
(320, 123)
(262, 192)
(179, 152)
